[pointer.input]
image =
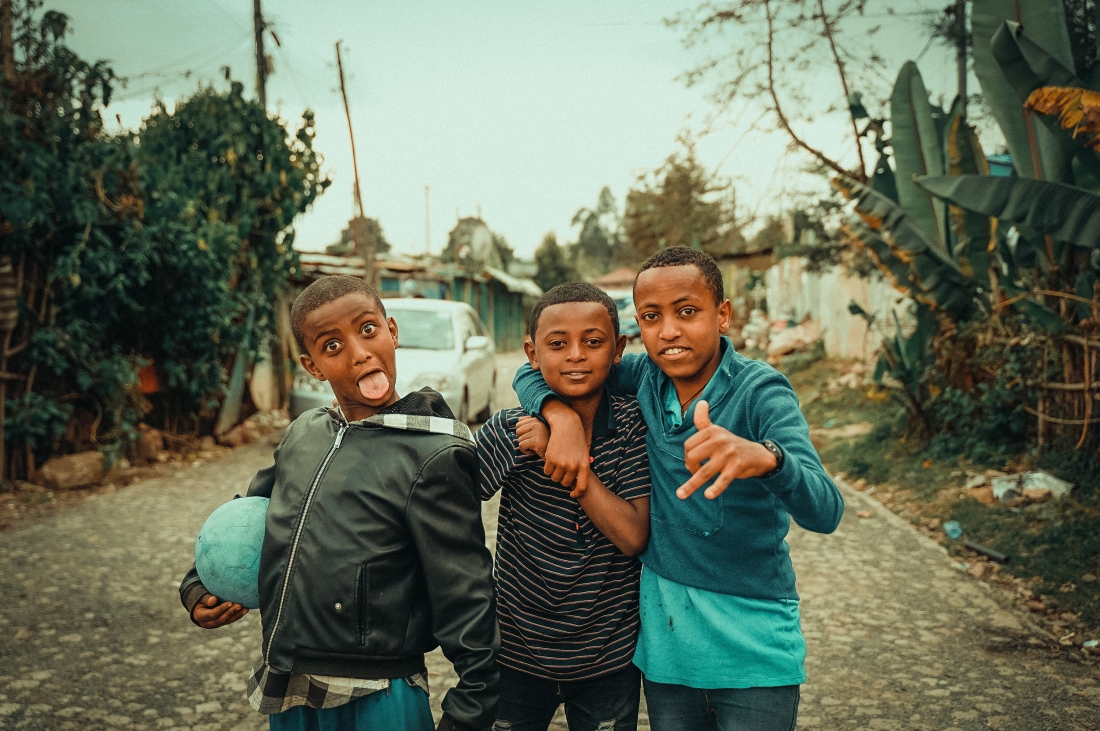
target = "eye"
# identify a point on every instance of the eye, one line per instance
(368, 328)
(331, 346)
(556, 343)
(594, 342)
(649, 316)
(688, 311)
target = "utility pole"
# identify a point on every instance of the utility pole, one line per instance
(960, 49)
(261, 57)
(364, 249)
(7, 41)
(427, 222)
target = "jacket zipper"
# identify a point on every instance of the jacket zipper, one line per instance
(298, 535)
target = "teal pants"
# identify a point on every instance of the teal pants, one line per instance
(401, 708)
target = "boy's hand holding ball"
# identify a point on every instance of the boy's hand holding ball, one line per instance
(717, 451)
(209, 613)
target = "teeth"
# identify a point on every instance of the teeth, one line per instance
(674, 351)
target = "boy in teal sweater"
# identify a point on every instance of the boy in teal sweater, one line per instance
(721, 645)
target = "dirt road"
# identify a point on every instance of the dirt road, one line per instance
(92, 635)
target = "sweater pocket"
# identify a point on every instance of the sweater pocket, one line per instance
(696, 515)
(362, 616)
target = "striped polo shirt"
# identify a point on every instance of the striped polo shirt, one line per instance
(566, 597)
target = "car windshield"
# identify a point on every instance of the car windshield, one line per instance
(423, 329)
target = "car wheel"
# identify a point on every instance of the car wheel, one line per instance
(464, 408)
(491, 405)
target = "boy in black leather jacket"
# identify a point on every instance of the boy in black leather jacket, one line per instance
(374, 551)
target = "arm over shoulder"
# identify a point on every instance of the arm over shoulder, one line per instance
(802, 484)
(496, 455)
(624, 380)
(444, 517)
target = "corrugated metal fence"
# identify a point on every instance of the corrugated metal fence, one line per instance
(795, 293)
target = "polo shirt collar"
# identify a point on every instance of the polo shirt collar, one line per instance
(604, 424)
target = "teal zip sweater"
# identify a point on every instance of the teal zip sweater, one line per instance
(735, 544)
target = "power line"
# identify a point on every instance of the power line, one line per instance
(290, 68)
(169, 78)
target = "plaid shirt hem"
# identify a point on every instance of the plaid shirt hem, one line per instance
(270, 691)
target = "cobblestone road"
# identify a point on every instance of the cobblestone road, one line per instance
(92, 635)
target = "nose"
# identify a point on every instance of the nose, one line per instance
(575, 353)
(359, 351)
(669, 329)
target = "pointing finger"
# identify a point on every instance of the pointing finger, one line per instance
(719, 486)
(700, 478)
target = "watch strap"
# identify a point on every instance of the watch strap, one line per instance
(772, 447)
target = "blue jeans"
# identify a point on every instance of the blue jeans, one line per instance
(680, 708)
(399, 708)
(606, 703)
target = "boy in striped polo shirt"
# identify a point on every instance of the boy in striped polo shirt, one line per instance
(567, 579)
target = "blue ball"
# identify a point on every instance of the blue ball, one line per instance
(227, 552)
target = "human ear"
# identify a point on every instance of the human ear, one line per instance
(725, 313)
(620, 346)
(392, 325)
(532, 357)
(309, 365)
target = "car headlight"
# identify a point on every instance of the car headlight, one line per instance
(305, 382)
(436, 381)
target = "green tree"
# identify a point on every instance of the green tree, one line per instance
(368, 229)
(460, 245)
(169, 244)
(681, 204)
(224, 183)
(553, 265)
(601, 246)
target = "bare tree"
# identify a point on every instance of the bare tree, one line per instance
(776, 42)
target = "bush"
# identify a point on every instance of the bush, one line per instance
(170, 244)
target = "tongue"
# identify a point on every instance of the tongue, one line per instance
(374, 386)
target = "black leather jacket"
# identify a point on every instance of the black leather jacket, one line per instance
(374, 552)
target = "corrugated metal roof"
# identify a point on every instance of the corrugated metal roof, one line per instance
(514, 284)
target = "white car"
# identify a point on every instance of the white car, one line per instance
(442, 345)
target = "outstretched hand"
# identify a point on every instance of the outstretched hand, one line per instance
(533, 436)
(209, 613)
(717, 451)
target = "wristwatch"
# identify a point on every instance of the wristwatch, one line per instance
(774, 449)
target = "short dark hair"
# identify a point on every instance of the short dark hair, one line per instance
(573, 292)
(676, 256)
(320, 293)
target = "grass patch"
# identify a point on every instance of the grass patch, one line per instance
(1052, 545)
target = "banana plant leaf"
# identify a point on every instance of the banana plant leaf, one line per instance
(1077, 109)
(1027, 67)
(905, 360)
(1084, 288)
(937, 280)
(883, 180)
(985, 18)
(972, 231)
(1062, 211)
(1038, 313)
(918, 150)
(893, 269)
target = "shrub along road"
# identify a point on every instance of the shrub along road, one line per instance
(92, 635)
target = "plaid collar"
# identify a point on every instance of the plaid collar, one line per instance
(412, 422)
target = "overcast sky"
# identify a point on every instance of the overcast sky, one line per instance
(520, 110)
